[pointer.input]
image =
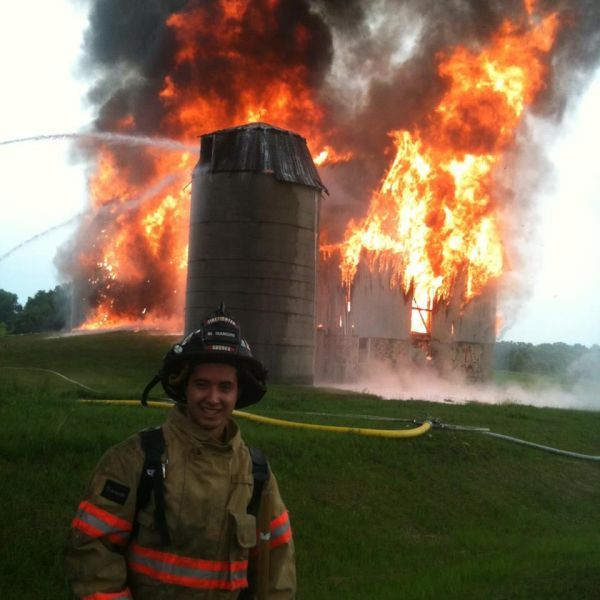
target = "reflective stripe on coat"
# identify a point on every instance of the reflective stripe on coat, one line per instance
(208, 485)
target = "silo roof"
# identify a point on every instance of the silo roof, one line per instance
(261, 148)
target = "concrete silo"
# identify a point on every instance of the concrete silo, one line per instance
(253, 243)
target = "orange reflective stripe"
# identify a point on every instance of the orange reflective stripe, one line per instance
(97, 523)
(122, 595)
(281, 530)
(280, 520)
(186, 571)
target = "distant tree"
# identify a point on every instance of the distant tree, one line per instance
(9, 308)
(520, 358)
(46, 311)
(547, 359)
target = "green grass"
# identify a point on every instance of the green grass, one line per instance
(445, 515)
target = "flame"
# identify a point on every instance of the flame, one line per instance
(136, 266)
(330, 156)
(434, 220)
(282, 96)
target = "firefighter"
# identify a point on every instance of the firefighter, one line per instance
(171, 512)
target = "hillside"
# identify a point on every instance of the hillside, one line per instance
(449, 514)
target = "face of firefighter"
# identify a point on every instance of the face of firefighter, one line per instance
(211, 393)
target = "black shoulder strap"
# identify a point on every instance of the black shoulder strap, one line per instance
(260, 473)
(151, 480)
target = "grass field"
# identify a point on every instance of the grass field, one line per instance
(446, 515)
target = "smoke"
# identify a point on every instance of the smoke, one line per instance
(370, 64)
(353, 70)
(132, 49)
(411, 382)
(384, 77)
(587, 366)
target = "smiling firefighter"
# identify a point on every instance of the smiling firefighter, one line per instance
(176, 511)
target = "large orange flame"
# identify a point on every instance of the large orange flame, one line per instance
(434, 217)
(136, 266)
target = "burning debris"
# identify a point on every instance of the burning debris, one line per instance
(433, 226)
(428, 95)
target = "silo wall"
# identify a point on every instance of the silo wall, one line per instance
(253, 246)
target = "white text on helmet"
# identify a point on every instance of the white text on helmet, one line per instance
(220, 347)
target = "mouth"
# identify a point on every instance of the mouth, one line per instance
(210, 411)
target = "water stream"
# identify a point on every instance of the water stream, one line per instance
(116, 207)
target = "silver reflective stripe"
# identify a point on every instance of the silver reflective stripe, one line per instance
(279, 531)
(191, 572)
(96, 523)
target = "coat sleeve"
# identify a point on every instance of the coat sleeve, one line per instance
(282, 560)
(95, 559)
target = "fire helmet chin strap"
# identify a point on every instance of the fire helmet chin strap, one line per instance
(151, 384)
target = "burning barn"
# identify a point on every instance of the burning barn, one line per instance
(253, 245)
(377, 322)
(410, 139)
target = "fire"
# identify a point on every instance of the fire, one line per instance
(284, 99)
(138, 263)
(434, 221)
(136, 266)
(330, 156)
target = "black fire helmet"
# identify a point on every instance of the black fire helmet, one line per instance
(218, 340)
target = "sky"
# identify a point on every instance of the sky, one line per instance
(41, 186)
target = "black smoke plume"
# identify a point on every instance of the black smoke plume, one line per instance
(371, 66)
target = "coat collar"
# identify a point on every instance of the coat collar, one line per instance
(193, 433)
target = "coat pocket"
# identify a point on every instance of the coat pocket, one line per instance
(244, 529)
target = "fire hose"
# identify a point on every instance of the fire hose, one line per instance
(422, 427)
(386, 433)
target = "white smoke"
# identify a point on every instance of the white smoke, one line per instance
(416, 383)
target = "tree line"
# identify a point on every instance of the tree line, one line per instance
(45, 311)
(548, 359)
(49, 311)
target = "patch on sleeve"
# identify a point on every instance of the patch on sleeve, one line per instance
(117, 492)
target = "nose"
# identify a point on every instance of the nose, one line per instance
(212, 396)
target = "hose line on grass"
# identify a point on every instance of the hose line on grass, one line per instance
(56, 373)
(423, 427)
(386, 433)
(541, 447)
(485, 431)
(438, 425)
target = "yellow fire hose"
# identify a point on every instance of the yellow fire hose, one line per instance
(385, 433)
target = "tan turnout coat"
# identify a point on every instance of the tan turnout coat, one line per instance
(208, 485)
